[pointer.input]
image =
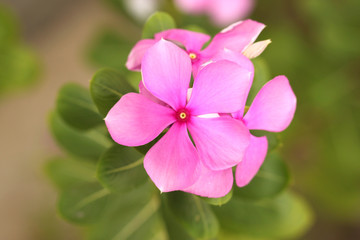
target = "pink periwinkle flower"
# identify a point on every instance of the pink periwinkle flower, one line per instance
(238, 37)
(222, 12)
(272, 110)
(220, 141)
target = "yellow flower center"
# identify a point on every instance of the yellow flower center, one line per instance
(192, 56)
(182, 115)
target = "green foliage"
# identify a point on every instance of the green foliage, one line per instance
(107, 87)
(285, 216)
(109, 49)
(87, 145)
(19, 67)
(219, 201)
(76, 108)
(120, 169)
(272, 178)
(194, 215)
(157, 22)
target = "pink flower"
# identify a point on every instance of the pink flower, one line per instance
(174, 162)
(272, 110)
(238, 37)
(222, 12)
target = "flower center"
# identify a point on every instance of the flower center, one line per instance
(182, 115)
(192, 56)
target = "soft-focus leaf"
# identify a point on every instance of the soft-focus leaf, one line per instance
(19, 67)
(272, 178)
(193, 214)
(76, 108)
(132, 216)
(8, 27)
(120, 169)
(157, 22)
(219, 201)
(88, 145)
(145, 148)
(109, 49)
(106, 88)
(286, 216)
(274, 139)
(65, 173)
(261, 76)
(83, 203)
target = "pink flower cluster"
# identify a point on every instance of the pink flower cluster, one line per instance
(206, 127)
(221, 12)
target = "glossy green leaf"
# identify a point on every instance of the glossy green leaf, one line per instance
(83, 203)
(272, 178)
(133, 215)
(76, 108)
(109, 49)
(286, 216)
(157, 22)
(88, 145)
(219, 201)
(193, 214)
(261, 76)
(121, 169)
(65, 173)
(107, 87)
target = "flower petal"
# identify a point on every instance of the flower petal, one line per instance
(143, 91)
(135, 120)
(166, 71)
(192, 41)
(212, 184)
(273, 107)
(221, 142)
(254, 157)
(137, 52)
(236, 37)
(225, 12)
(191, 6)
(172, 162)
(220, 87)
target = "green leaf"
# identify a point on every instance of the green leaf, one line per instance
(88, 145)
(132, 216)
(219, 201)
(272, 178)
(76, 108)
(157, 22)
(261, 76)
(9, 29)
(109, 49)
(286, 216)
(83, 203)
(19, 68)
(120, 169)
(145, 148)
(274, 140)
(106, 88)
(193, 214)
(65, 173)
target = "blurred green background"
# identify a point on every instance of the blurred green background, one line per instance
(44, 44)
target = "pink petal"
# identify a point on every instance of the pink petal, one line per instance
(143, 91)
(166, 71)
(135, 120)
(221, 142)
(236, 37)
(220, 87)
(172, 162)
(226, 12)
(212, 184)
(243, 62)
(137, 52)
(254, 157)
(192, 6)
(273, 107)
(192, 41)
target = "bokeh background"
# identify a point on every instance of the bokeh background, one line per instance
(45, 43)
